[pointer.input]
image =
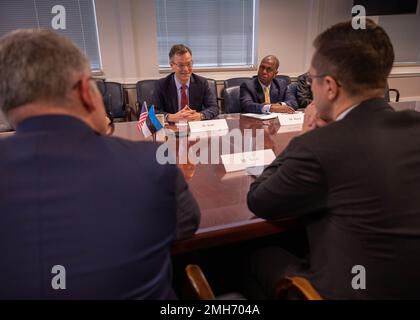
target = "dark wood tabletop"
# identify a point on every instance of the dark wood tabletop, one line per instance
(225, 217)
(221, 195)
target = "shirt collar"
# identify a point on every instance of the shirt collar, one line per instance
(179, 84)
(345, 112)
(263, 86)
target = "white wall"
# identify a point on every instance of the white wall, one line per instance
(127, 34)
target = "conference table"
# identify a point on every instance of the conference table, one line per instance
(221, 195)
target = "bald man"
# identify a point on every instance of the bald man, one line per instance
(265, 93)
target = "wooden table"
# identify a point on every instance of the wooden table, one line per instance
(225, 217)
(222, 196)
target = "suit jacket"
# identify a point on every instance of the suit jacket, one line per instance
(355, 183)
(304, 93)
(101, 207)
(252, 95)
(200, 97)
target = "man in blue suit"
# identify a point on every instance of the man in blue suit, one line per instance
(183, 95)
(265, 93)
(82, 215)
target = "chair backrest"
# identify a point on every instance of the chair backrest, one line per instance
(145, 90)
(235, 81)
(231, 99)
(387, 95)
(115, 99)
(284, 77)
(213, 86)
(198, 282)
(296, 288)
(100, 83)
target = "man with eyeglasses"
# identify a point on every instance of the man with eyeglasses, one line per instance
(183, 95)
(100, 209)
(352, 177)
(265, 93)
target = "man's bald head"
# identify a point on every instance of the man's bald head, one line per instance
(268, 69)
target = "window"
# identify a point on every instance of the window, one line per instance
(220, 33)
(80, 21)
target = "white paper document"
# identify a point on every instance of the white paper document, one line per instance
(263, 116)
(208, 125)
(242, 160)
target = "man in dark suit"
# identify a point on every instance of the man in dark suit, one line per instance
(183, 95)
(303, 91)
(82, 215)
(352, 176)
(265, 93)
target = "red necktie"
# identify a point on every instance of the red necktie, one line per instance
(184, 99)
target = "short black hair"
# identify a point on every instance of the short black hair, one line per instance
(359, 59)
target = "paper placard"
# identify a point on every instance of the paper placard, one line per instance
(242, 160)
(286, 119)
(292, 128)
(207, 134)
(208, 125)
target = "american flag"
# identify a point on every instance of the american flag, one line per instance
(143, 116)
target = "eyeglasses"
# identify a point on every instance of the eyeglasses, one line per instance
(181, 66)
(80, 80)
(268, 69)
(310, 78)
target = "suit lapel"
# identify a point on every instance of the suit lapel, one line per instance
(192, 98)
(173, 94)
(259, 91)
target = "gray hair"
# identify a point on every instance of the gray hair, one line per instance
(38, 65)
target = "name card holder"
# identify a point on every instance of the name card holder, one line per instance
(208, 125)
(286, 119)
(243, 160)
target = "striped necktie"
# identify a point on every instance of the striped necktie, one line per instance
(184, 99)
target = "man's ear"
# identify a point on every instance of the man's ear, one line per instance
(86, 93)
(332, 88)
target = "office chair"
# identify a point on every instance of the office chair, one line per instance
(100, 83)
(231, 99)
(145, 90)
(387, 95)
(116, 102)
(296, 288)
(235, 81)
(284, 77)
(213, 88)
(201, 288)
